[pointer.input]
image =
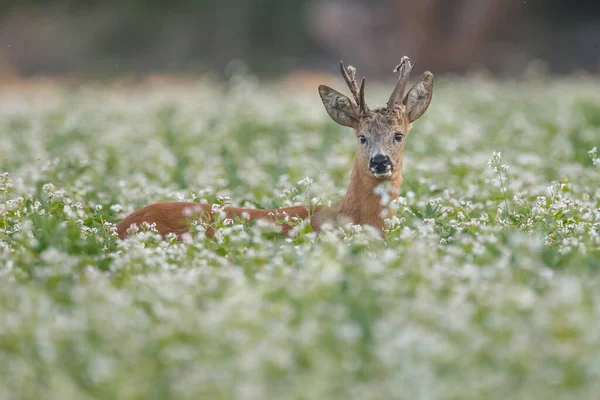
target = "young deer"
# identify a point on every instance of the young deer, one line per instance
(380, 134)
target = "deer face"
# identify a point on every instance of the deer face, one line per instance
(380, 132)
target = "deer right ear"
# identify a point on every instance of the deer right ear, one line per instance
(338, 106)
(418, 98)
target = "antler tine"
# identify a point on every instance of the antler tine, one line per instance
(350, 81)
(362, 103)
(357, 93)
(403, 69)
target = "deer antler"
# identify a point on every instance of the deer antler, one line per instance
(403, 69)
(358, 94)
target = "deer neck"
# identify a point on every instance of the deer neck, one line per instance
(367, 201)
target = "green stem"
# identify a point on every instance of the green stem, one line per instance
(5, 212)
(503, 191)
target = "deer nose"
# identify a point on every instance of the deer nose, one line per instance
(380, 163)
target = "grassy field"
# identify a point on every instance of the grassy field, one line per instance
(487, 286)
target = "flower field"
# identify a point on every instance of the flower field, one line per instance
(486, 287)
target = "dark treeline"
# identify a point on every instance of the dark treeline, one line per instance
(274, 36)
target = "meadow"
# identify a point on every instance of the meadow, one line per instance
(486, 287)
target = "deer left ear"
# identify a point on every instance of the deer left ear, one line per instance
(338, 106)
(418, 98)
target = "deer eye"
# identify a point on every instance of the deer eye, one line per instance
(398, 137)
(362, 139)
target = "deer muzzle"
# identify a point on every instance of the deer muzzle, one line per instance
(381, 166)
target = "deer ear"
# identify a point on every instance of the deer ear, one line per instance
(338, 106)
(419, 96)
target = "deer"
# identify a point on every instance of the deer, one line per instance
(376, 173)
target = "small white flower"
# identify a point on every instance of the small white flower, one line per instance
(305, 182)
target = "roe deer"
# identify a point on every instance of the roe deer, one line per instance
(380, 135)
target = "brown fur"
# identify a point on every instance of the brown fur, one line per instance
(176, 217)
(360, 205)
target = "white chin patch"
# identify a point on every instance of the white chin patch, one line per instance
(382, 175)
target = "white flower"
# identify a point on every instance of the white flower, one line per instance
(305, 182)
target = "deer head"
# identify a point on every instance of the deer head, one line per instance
(380, 132)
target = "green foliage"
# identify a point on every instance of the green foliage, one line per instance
(486, 286)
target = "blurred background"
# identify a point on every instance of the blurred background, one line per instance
(275, 37)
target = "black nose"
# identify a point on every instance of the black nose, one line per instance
(380, 163)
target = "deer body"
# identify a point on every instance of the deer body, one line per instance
(175, 217)
(376, 173)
